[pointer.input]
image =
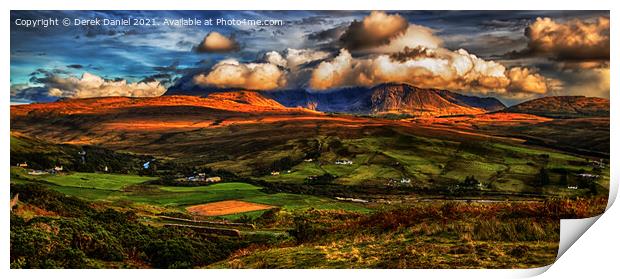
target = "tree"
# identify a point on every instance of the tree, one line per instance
(543, 177)
(470, 183)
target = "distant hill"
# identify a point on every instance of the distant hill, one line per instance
(246, 97)
(564, 107)
(389, 98)
(237, 101)
(41, 154)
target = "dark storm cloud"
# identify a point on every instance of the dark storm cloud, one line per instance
(413, 53)
(491, 46)
(376, 29)
(22, 92)
(572, 40)
(40, 75)
(163, 78)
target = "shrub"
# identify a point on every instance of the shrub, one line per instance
(304, 230)
(171, 253)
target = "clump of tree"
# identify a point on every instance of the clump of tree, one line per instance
(335, 145)
(468, 185)
(304, 230)
(283, 163)
(542, 178)
(325, 178)
(83, 236)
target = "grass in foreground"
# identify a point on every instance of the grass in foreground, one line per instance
(50, 230)
(423, 235)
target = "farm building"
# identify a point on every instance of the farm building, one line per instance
(213, 179)
(343, 162)
(203, 177)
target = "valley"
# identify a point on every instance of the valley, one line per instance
(288, 181)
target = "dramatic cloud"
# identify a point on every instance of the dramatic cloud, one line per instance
(572, 40)
(341, 71)
(216, 42)
(380, 33)
(376, 29)
(590, 82)
(429, 68)
(414, 36)
(524, 80)
(54, 86)
(275, 71)
(579, 50)
(293, 58)
(234, 74)
(90, 85)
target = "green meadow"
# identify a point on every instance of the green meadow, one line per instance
(119, 188)
(437, 164)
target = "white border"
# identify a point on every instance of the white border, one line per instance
(585, 262)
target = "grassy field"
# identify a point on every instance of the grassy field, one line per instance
(100, 181)
(433, 163)
(118, 188)
(46, 224)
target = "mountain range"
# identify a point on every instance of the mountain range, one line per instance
(181, 124)
(384, 99)
(389, 98)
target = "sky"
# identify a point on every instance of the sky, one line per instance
(512, 55)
